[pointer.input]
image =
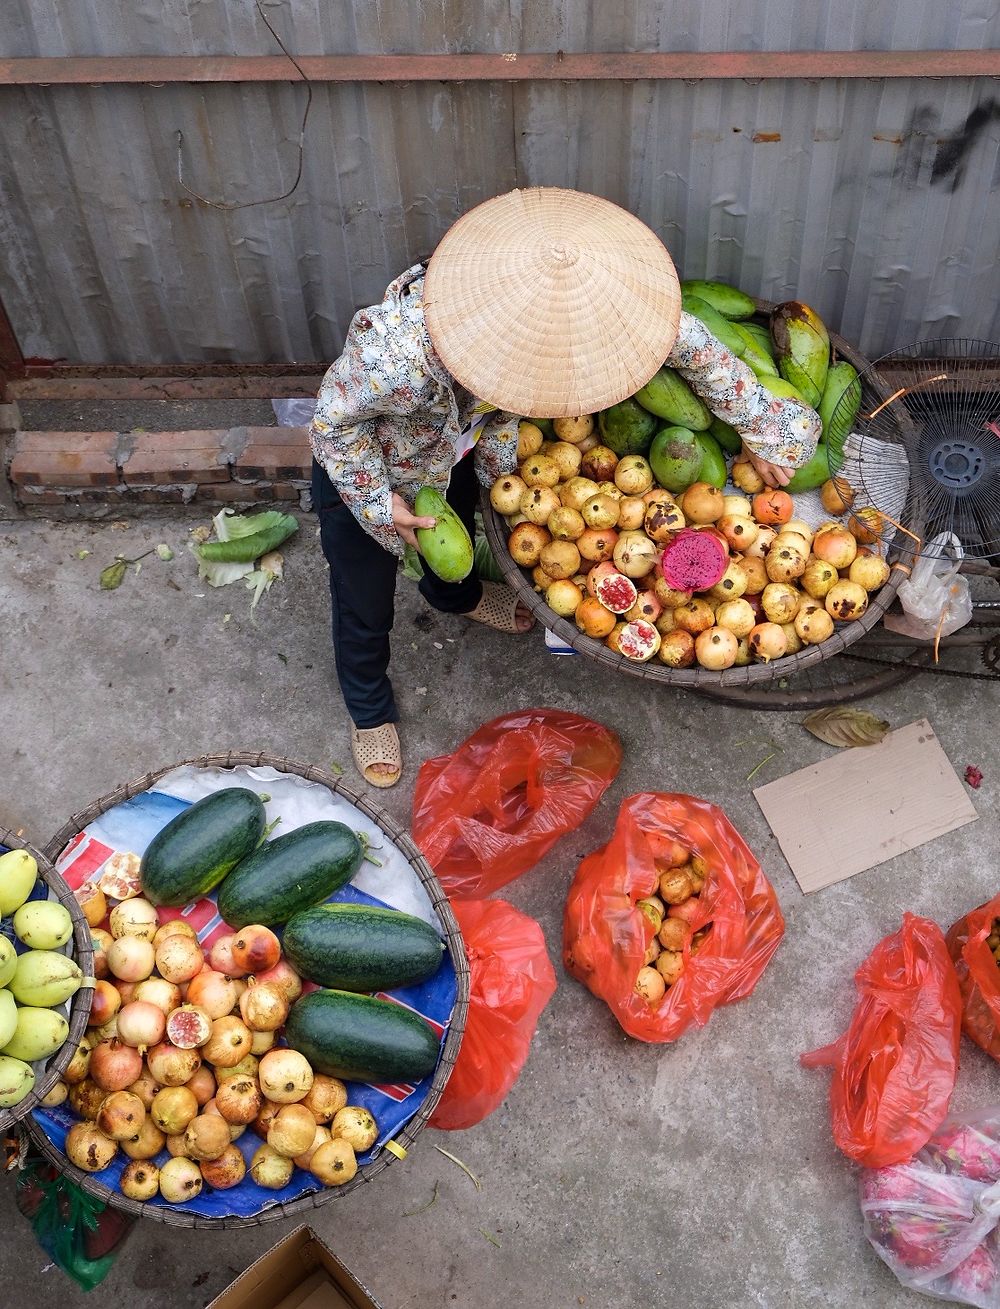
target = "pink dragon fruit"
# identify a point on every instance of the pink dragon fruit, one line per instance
(976, 1276)
(693, 560)
(965, 1149)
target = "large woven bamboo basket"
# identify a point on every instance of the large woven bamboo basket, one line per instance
(697, 678)
(456, 949)
(79, 1005)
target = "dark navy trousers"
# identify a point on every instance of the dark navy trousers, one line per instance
(363, 588)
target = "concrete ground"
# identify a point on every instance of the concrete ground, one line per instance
(700, 1174)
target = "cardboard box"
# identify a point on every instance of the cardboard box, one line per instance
(299, 1273)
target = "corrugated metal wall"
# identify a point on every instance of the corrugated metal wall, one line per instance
(877, 201)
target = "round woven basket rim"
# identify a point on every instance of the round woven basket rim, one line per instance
(456, 949)
(692, 678)
(551, 302)
(83, 953)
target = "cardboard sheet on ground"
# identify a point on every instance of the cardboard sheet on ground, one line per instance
(900, 794)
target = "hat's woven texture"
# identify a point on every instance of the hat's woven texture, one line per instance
(551, 303)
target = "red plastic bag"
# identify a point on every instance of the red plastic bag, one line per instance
(978, 975)
(512, 980)
(895, 1066)
(605, 936)
(491, 810)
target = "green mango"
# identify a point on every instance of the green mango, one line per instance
(838, 414)
(712, 468)
(627, 428)
(756, 358)
(446, 547)
(544, 425)
(43, 925)
(16, 1080)
(728, 437)
(8, 1017)
(8, 961)
(675, 458)
(39, 1033)
(729, 301)
(780, 387)
(668, 396)
(720, 327)
(44, 978)
(821, 466)
(18, 872)
(761, 335)
(803, 348)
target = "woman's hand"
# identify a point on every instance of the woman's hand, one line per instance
(405, 522)
(773, 474)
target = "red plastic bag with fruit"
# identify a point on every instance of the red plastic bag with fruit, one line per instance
(978, 970)
(511, 981)
(894, 1068)
(672, 918)
(934, 1220)
(490, 811)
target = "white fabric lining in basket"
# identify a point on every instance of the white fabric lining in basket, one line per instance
(297, 801)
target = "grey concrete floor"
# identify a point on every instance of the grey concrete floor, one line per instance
(698, 1174)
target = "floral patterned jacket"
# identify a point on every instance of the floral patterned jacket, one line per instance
(390, 417)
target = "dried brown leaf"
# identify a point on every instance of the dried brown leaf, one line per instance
(844, 727)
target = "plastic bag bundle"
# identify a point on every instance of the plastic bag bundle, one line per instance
(934, 1221)
(978, 975)
(936, 600)
(894, 1068)
(511, 982)
(488, 812)
(605, 935)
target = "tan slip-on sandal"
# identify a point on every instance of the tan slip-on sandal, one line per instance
(498, 609)
(377, 745)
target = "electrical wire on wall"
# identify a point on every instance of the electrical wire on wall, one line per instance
(249, 204)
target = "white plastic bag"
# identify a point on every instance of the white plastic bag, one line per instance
(935, 598)
(294, 413)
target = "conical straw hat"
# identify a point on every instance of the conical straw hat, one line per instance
(551, 303)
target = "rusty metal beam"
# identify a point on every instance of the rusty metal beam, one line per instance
(589, 66)
(191, 383)
(11, 358)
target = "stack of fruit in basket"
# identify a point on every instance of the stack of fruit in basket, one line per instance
(183, 1051)
(627, 529)
(671, 913)
(35, 983)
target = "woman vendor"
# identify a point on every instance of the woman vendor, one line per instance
(541, 303)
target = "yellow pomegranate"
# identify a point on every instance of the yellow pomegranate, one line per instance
(866, 526)
(538, 503)
(525, 543)
(529, 440)
(767, 642)
(540, 470)
(677, 649)
(631, 513)
(836, 546)
(567, 459)
(577, 491)
(836, 495)
(744, 476)
(732, 584)
(559, 559)
(505, 494)
(633, 475)
(601, 511)
(737, 616)
(785, 563)
(596, 545)
(593, 619)
(869, 571)
(846, 601)
(737, 506)
(563, 597)
(758, 548)
(565, 524)
(716, 648)
(780, 602)
(793, 642)
(573, 430)
(695, 616)
(635, 554)
(600, 464)
(813, 625)
(663, 520)
(702, 503)
(755, 572)
(738, 530)
(818, 577)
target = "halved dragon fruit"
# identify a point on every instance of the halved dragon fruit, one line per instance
(639, 640)
(616, 592)
(693, 560)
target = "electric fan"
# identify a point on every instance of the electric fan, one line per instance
(923, 452)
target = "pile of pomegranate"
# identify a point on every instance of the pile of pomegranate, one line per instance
(701, 578)
(671, 912)
(181, 1056)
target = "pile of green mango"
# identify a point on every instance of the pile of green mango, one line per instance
(34, 983)
(791, 360)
